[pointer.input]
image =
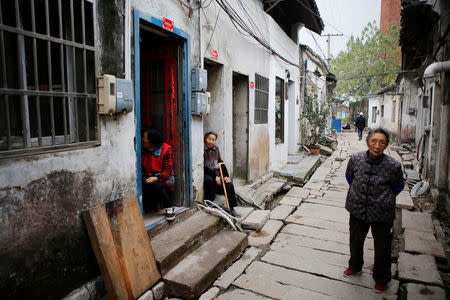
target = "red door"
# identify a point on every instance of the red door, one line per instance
(159, 91)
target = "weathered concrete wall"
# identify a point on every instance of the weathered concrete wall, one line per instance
(371, 121)
(45, 250)
(409, 101)
(251, 59)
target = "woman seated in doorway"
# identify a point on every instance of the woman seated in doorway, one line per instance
(212, 183)
(157, 172)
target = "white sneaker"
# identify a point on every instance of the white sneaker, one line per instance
(170, 213)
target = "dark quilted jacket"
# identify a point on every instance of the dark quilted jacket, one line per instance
(374, 185)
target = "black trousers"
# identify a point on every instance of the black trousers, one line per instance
(155, 194)
(382, 237)
(211, 189)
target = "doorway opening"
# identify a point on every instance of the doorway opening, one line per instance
(161, 84)
(240, 125)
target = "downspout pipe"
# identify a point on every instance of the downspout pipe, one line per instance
(437, 67)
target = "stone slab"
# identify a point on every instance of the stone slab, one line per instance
(418, 268)
(239, 294)
(330, 265)
(256, 219)
(324, 150)
(404, 201)
(424, 243)
(210, 294)
(335, 214)
(412, 174)
(280, 283)
(417, 221)
(159, 290)
(325, 201)
(318, 233)
(281, 212)
(318, 223)
(191, 277)
(416, 291)
(407, 157)
(244, 211)
(236, 269)
(324, 256)
(266, 234)
(292, 201)
(298, 192)
(148, 295)
(313, 186)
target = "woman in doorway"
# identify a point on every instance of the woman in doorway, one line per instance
(212, 183)
(157, 172)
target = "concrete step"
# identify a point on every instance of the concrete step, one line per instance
(176, 242)
(192, 276)
(301, 171)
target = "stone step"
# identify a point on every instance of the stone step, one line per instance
(262, 193)
(178, 241)
(301, 171)
(192, 276)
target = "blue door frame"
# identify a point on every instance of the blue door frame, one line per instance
(138, 16)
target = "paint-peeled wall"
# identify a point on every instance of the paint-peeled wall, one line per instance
(45, 251)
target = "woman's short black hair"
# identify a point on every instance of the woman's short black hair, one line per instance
(155, 137)
(378, 130)
(208, 133)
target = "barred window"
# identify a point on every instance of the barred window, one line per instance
(47, 92)
(261, 99)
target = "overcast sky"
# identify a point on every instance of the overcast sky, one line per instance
(341, 16)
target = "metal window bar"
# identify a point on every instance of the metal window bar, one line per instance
(66, 92)
(86, 108)
(27, 33)
(5, 84)
(74, 71)
(261, 99)
(63, 82)
(50, 75)
(22, 79)
(36, 74)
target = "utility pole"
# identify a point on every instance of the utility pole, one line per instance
(329, 35)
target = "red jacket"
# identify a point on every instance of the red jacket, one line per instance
(159, 163)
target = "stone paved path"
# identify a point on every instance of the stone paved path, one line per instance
(302, 250)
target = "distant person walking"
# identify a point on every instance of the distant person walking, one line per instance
(375, 180)
(360, 123)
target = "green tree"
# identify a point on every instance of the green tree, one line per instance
(370, 62)
(316, 114)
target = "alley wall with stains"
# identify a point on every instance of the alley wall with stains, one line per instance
(44, 250)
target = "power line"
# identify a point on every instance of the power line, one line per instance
(317, 44)
(236, 19)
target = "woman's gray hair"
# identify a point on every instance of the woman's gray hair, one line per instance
(208, 133)
(378, 130)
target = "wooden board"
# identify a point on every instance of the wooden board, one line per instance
(122, 248)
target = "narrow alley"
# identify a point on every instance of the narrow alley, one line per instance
(302, 255)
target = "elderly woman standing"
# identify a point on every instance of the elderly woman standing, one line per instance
(212, 180)
(375, 180)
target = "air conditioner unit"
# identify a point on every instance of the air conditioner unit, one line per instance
(411, 111)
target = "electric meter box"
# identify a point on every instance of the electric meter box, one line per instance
(114, 95)
(200, 103)
(199, 80)
(124, 96)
